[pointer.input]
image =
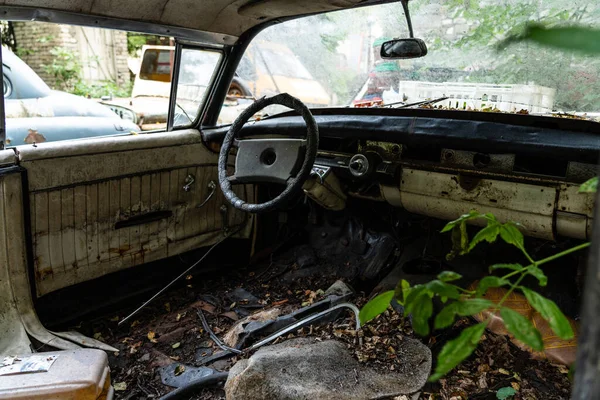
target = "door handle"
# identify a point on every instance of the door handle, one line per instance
(189, 181)
(212, 186)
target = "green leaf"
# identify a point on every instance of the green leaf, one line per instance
(538, 273)
(488, 282)
(375, 307)
(413, 294)
(460, 241)
(421, 310)
(445, 317)
(465, 217)
(551, 313)
(590, 186)
(570, 38)
(402, 290)
(512, 235)
(489, 234)
(448, 276)
(472, 306)
(443, 289)
(513, 267)
(465, 308)
(456, 350)
(505, 393)
(522, 328)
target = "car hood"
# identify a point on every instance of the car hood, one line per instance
(57, 104)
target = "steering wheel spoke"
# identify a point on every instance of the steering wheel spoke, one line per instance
(286, 161)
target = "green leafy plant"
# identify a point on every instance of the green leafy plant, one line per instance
(99, 89)
(590, 186)
(459, 302)
(65, 67)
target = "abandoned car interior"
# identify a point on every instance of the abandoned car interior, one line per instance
(306, 231)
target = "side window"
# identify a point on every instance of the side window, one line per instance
(197, 68)
(71, 82)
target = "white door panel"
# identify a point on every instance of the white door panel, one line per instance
(104, 210)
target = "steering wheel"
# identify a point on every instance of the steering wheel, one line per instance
(287, 161)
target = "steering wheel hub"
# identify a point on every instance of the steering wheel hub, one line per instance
(286, 161)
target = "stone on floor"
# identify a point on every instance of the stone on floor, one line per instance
(304, 368)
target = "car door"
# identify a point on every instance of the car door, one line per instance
(104, 204)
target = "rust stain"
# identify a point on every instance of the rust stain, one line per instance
(121, 251)
(34, 137)
(41, 274)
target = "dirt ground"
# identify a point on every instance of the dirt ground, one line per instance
(170, 331)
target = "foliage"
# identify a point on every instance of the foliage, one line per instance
(65, 67)
(529, 59)
(569, 38)
(418, 299)
(135, 41)
(590, 186)
(100, 89)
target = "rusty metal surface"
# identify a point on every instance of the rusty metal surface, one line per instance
(74, 235)
(79, 193)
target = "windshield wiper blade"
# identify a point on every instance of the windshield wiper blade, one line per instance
(423, 103)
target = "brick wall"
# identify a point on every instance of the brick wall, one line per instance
(36, 39)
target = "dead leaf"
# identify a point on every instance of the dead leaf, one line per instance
(151, 336)
(515, 386)
(179, 369)
(134, 347)
(168, 307)
(115, 318)
(280, 302)
(135, 323)
(176, 345)
(188, 277)
(178, 317)
(209, 308)
(231, 315)
(120, 386)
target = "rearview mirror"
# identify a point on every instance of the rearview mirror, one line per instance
(403, 49)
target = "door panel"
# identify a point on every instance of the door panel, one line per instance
(104, 210)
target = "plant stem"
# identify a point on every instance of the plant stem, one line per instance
(551, 258)
(512, 288)
(563, 253)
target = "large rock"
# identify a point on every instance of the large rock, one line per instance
(307, 369)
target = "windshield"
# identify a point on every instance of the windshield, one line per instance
(333, 59)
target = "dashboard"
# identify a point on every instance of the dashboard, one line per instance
(443, 164)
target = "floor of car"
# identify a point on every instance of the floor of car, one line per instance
(294, 274)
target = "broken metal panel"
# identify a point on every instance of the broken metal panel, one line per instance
(447, 196)
(75, 244)
(543, 210)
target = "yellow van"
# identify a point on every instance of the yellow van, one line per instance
(253, 79)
